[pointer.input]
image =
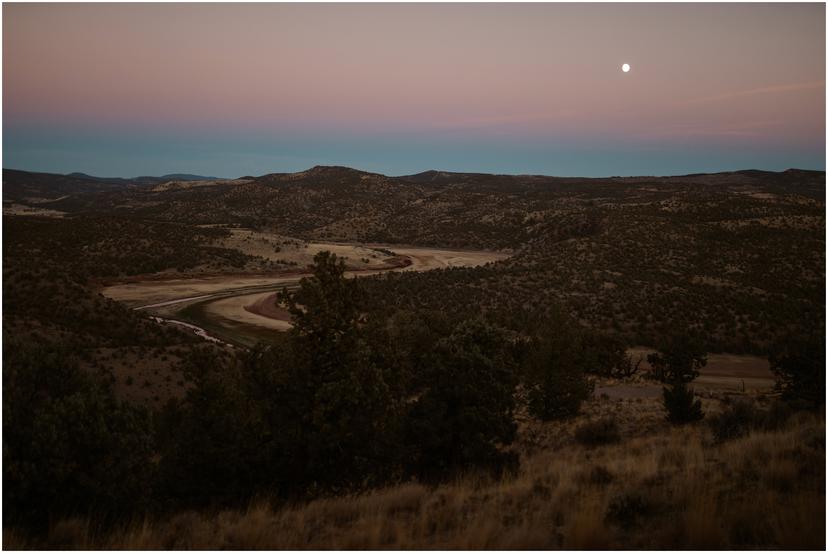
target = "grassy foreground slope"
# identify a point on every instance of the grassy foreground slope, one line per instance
(672, 490)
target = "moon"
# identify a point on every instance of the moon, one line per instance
(625, 68)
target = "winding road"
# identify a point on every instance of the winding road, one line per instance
(239, 310)
(230, 305)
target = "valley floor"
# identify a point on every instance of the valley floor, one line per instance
(239, 308)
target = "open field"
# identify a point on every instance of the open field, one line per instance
(11, 208)
(264, 305)
(728, 372)
(184, 184)
(157, 293)
(423, 259)
(235, 326)
(295, 252)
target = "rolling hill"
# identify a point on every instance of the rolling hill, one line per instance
(736, 256)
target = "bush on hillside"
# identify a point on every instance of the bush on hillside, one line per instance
(555, 374)
(679, 360)
(735, 421)
(69, 446)
(741, 416)
(681, 404)
(799, 366)
(465, 417)
(599, 432)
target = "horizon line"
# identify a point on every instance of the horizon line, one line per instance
(149, 175)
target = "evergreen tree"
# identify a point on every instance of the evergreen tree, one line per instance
(465, 417)
(69, 446)
(678, 364)
(342, 403)
(211, 442)
(681, 404)
(681, 359)
(799, 366)
(556, 379)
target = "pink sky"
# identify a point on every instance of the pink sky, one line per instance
(743, 74)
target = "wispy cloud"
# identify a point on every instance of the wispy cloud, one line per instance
(479, 123)
(745, 129)
(793, 87)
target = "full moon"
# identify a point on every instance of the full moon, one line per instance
(625, 68)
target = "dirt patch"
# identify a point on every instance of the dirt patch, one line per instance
(240, 303)
(628, 391)
(724, 372)
(184, 184)
(424, 259)
(266, 307)
(299, 253)
(261, 310)
(153, 290)
(720, 364)
(156, 291)
(235, 310)
(20, 209)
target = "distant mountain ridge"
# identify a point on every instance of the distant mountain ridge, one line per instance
(423, 176)
(171, 176)
(22, 186)
(324, 194)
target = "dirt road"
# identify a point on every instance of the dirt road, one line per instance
(232, 306)
(236, 302)
(729, 372)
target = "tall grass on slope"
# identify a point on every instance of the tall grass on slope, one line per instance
(679, 490)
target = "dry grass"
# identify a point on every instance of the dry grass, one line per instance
(301, 252)
(673, 489)
(12, 208)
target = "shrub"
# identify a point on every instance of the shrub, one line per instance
(799, 366)
(210, 447)
(326, 395)
(681, 404)
(628, 508)
(559, 393)
(599, 432)
(600, 476)
(555, 376)
(735, 421)
(681, 359)
(741, 416)
(776, 416)
(626, 367)
(605, 355)
(69, 446)
(465, 416)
